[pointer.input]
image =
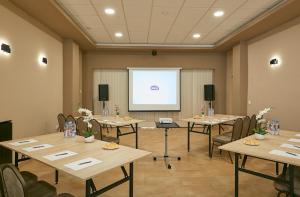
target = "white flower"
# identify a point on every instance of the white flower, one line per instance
(261, 121)
(262, 113)
(87, 114)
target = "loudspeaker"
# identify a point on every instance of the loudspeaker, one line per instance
(209, 92)
(103, 92)
(154, 52)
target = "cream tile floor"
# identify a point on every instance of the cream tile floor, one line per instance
(195, 175)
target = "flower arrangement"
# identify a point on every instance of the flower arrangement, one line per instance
(260, 131)
(117, 110)
(87, 117)
(261, 122)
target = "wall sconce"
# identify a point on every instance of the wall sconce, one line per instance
(5, 48)
(275, 62)
(44, 61)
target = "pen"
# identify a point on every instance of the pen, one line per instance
(61, 154)
(292, 153)
(85, 162)
(23, 141)
(38, 146)
(296, 146)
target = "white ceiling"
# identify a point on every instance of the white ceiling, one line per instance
(163, 22)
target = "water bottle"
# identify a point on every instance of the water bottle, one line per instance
(73, 129)
(66, 129)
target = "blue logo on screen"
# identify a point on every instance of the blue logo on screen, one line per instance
(154, 87)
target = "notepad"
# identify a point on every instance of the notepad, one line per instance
(83, 163)
(294, 140)
(59, 155)
(285, 154)
(23, 142)
(290, 146)
(37, 147)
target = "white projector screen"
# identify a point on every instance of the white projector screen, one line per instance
(154, 89)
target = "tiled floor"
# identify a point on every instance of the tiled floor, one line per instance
(195, 175)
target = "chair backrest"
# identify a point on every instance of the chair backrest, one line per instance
(81, 126)
(12, 183)
(70, 118)
(61, 122)
(237, 129)
(97, 129)
(252, 126)
(246, 125)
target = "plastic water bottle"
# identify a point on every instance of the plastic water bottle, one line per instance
(70, 129)
(73, 129)
(66, 129)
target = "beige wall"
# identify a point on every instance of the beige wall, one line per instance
(72, 77)
(97, 60)
(276, 87)
(31, 95)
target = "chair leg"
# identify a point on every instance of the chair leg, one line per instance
(244, 161)
(278, 194)
(212, 149)
(230, 157)
(220, 151)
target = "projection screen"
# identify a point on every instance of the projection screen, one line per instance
(154, 89)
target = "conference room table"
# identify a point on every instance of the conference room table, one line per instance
(207, 122)
(119, 122)
(77, 158)
(282, 148)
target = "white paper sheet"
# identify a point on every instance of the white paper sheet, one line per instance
(290, 146)
(37, 147)
(297, 135)
(23, 142)
(83, 163)
(294, 140)
(285, 154)
(59, 155)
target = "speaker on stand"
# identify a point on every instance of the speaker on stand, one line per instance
(103, 96)
(209, 95)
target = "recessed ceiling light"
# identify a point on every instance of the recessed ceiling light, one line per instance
(196, 35)
(218, 13)
(109, 11)
(118, 34)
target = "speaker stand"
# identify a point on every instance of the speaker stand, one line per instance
(105, 111)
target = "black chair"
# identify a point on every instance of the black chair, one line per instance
(61, 122)
(252, 126)
(246, 125)
(81, 126)
(97, 130)
(283, 188)
(70, 118)
(253, 123)
(229, 137)
(14, 185)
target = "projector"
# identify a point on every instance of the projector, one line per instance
(165, 120)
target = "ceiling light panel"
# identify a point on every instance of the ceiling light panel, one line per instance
(112, 23)
(185, 21)
(161, 22)
(138, 15)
